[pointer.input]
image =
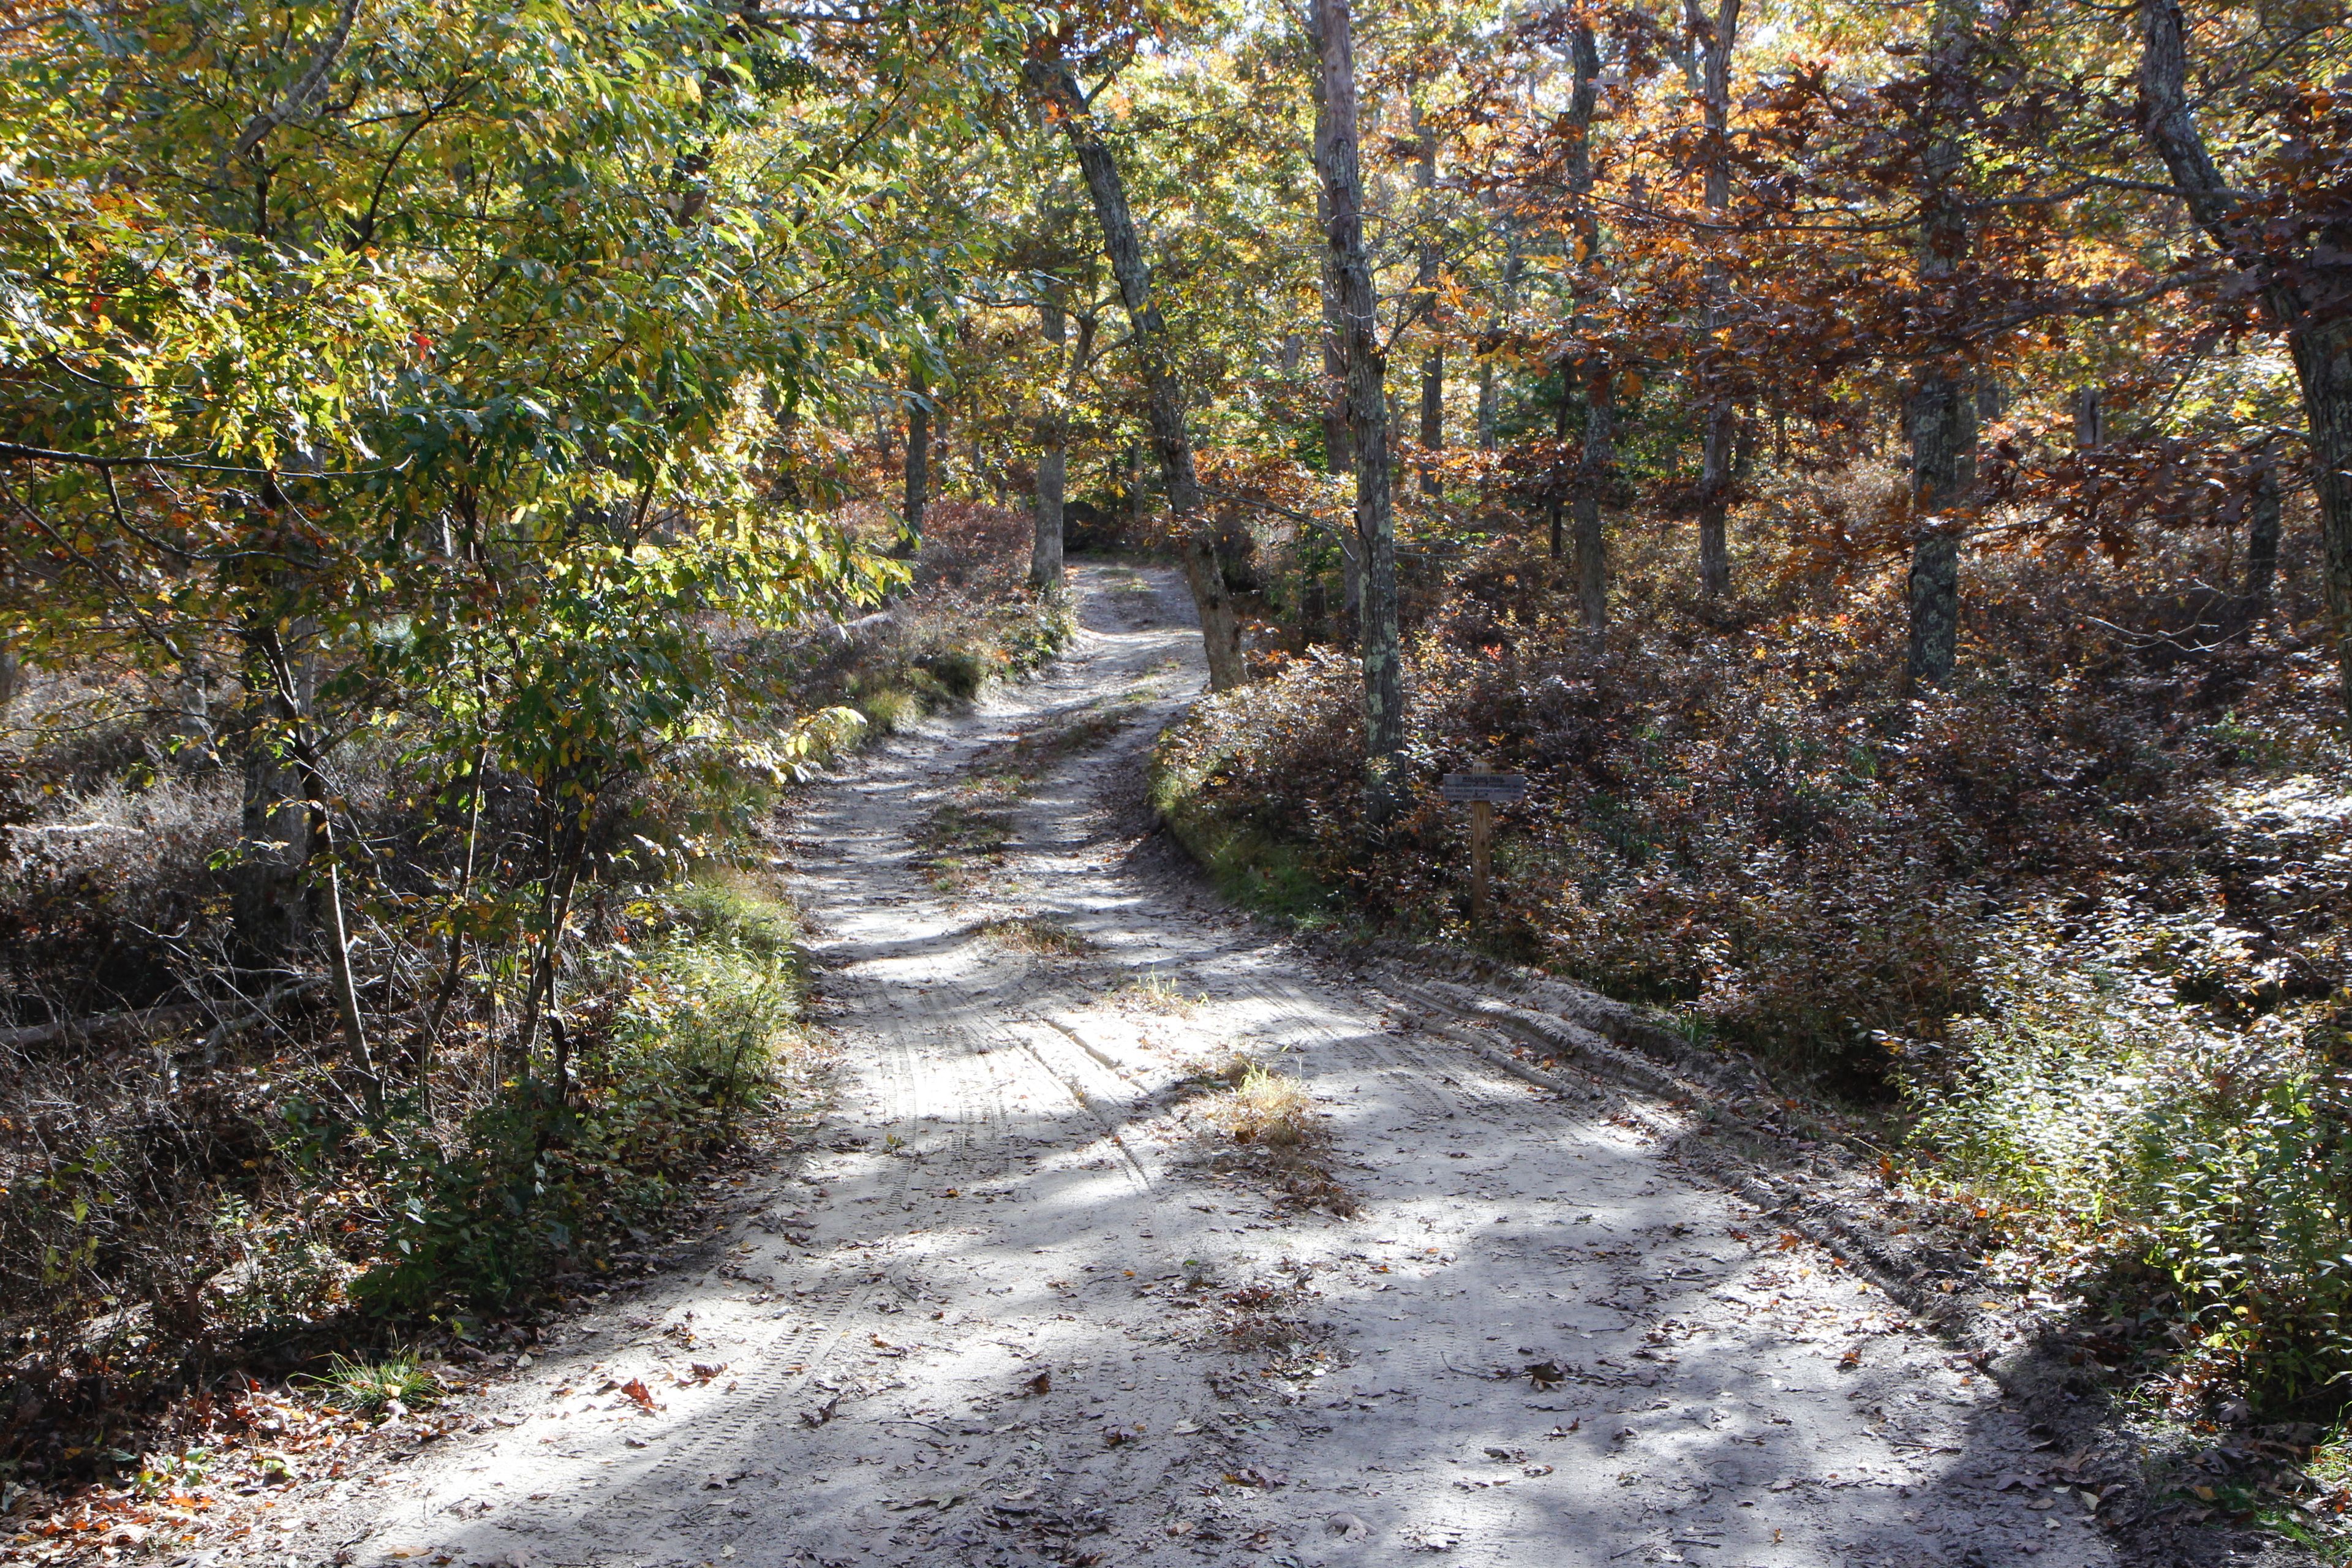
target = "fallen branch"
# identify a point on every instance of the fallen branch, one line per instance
(152, 1021)
(106, 1026)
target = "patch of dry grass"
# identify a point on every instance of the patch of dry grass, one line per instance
(1273, 1137)
(958, 845)
(1037, 936)
(1269, 1108)
(1156, 994)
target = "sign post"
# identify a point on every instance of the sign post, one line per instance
(1482, 789)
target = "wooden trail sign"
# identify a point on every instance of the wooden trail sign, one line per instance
(1486, 788)
(1482, 789)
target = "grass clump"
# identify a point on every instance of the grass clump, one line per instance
(957, 845)
(1272, 1136)
(1264, 1107)
(889, 710)
(1156, 994)
(380, 1387)
(1037, 936)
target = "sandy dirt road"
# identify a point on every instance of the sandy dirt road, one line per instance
(1007, 1310)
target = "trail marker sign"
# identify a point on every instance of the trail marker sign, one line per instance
(1483, 791)
(1493, 789)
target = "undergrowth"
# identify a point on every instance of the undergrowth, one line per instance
(969, 620)
(2073, 927)
(700, 1011)
(199, 1184)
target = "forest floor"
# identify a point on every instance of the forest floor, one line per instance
(1024, 1297)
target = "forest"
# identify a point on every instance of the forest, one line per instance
(471, 476)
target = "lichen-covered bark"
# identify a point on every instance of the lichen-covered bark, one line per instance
(1368, 415)
(1049, 79)
(1943, 425)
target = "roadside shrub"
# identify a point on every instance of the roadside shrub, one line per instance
(889, 711)
(1741, 817)
(2119, 1142)
(696, 1019)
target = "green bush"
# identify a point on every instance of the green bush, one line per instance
(961, 671)
(2121, 1140)
(889, 711)
(536, 1180)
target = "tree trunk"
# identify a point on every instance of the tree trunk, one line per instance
(1053, 467)
(1717, 38)
(1943, 471)
(2090, 424)
(1558, 508)
(2262, 537)
(1594, 472)
(567, 843)
(1599, 451)
(292, 676)
(918, 459)
(1050, 80)
(1379, 640)
(1942, 410)
(1489, 399)
(1433, 359)
(1433, 416)
(339, 938)
(1339, 450)
(2320, 339)
(1053, 475)
(269, 903)
(1715, 500)
(1134, 489)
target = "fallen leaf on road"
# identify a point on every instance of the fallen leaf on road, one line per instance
(1546, 1374)
(940, 1500)
(1851, 1358)
(1040, 1383)
(821, 1414)
(1536, 1470)
(1251, 1476)
(1347, 1527)
(1563, 1431)
(635, 1389)
(1185, 1428)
